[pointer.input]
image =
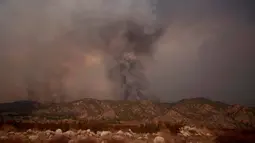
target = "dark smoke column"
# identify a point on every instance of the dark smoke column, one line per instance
(129, 68)
(133, 79)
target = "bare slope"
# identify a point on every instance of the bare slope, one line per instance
(196, 111)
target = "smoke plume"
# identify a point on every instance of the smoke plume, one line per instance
(206, 47)
(49, 46)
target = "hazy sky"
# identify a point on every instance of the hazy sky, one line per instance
(207, 50)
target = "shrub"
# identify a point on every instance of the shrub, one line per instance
(174, 128)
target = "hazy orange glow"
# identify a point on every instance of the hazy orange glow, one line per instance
(92, 59)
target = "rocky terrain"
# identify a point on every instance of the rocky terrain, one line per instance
(90, 120)
(197, 111)
(83, 136)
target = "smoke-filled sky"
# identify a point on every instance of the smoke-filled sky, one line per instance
(206, 51)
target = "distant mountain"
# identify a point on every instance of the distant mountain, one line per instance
(21, 107)
(204, 112)
(195, 111)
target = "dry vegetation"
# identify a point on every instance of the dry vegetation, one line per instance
(194, 120)
(94, 126)
(92, 132)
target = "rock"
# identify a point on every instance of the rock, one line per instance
(58, 131)
(79, 131)
(48, 132)
(29, 131)
(69, 133)
(159, 139)
(83, 132)
(88, 130)
(105, 133)
(128, 135)
(185, 133)
(33, 138)
(92, 134)
(11, 133)
(146, 137)
(189, 131)
(120, 132)
(117, 138)
(98, 133)
(130, 131)
(140, 138)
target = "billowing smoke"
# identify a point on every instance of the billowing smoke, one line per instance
(205, 49)
(65, 48)
(137, 41)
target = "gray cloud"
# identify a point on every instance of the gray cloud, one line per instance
(48, 39)
(207, 49)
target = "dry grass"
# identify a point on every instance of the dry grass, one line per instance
(174, 128)
(8, 127)
(13, 140)
(59, 139)
(236, 137)
(168, 131)
(93, 126)
(87, 140)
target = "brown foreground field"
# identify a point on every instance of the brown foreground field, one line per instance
(195, 120)
(99, 132)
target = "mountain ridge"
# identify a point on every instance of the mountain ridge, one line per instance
(194, 111)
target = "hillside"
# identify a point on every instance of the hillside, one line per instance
(196, 111)
(188, 120)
